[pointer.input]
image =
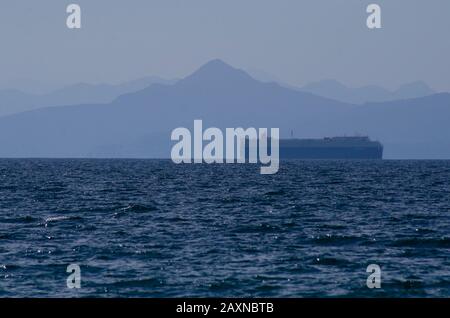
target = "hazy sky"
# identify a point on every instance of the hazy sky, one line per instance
(296, 41)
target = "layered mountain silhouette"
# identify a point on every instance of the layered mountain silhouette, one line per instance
(360, 95)
(15, 101)
(139, 124)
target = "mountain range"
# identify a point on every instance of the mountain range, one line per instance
(366, 94)
(15, 101)
(354, 95)
(138, 124)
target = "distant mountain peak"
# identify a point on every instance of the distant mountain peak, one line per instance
(216, 63)
(217, 71)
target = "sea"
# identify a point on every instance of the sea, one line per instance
(151, 228)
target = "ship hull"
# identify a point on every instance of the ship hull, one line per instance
(331, 153)
(347, 148)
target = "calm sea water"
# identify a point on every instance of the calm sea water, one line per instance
(149, 228)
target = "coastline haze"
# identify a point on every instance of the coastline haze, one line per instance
(138, 124)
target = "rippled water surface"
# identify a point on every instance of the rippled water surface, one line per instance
(149, 228)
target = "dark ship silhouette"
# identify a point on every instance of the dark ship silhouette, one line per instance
(331, 148)
(328, 148)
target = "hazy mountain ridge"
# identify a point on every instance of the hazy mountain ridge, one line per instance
(333, 89)
(139, 124)
(366, 94)
(15, 101)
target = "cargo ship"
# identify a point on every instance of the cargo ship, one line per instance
(329, 148)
